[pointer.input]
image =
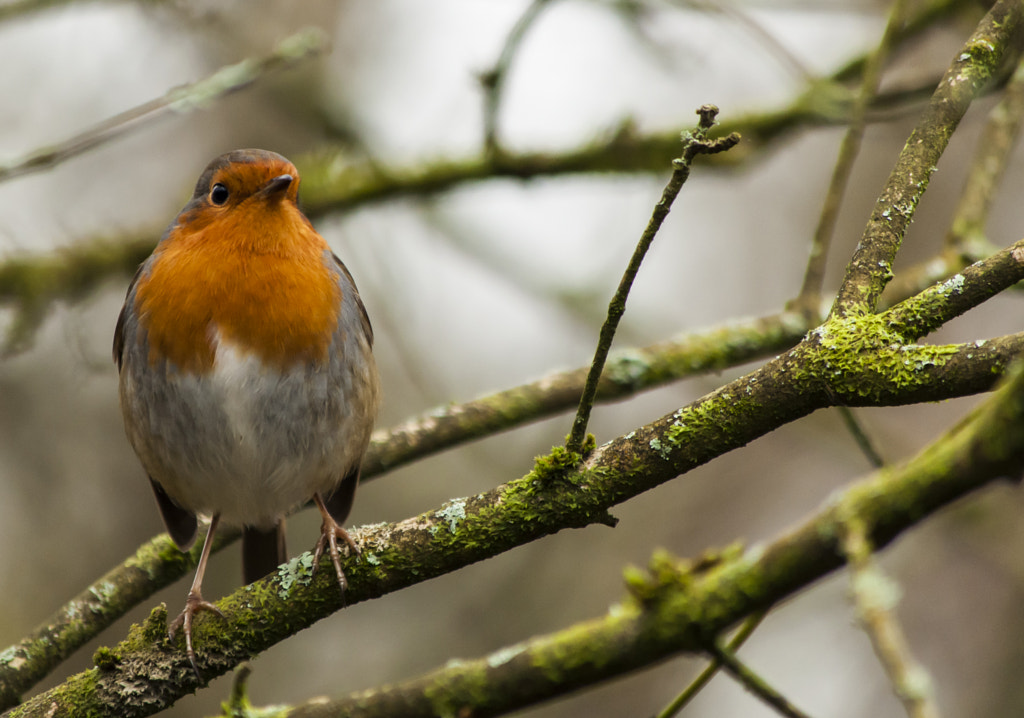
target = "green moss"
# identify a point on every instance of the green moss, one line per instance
(450, 695)
(864, 356)
(714, 417)
(143, 635)
(106, 658)
(560, 463)
(570, 649)
(77, 696)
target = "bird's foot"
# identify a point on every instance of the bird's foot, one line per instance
(330, 532)
(194, 603)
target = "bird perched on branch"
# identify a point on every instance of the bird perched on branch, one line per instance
(247, 380)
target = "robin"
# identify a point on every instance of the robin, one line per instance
(247, 379)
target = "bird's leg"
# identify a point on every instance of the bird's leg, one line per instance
(330, 532)
(195, 603)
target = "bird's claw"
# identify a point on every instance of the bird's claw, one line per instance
(330, 532)
(194, 603)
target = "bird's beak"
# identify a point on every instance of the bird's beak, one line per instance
(277, 187)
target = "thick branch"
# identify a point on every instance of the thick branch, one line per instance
(677, 606)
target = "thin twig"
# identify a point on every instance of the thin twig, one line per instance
(875, 596)
(493, 81)
(786, 57)
(753, 682)
(693, 144)
(698, 684)
(864, 442)
(180, 100)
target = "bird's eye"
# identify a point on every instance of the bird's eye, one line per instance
(219, 194)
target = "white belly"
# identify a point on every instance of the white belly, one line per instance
(247, 442)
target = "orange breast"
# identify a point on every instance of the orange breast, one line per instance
(261, 283)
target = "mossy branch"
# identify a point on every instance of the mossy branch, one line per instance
(995, 38)
(675, 606)
(965, 241)
(156, 564)
(925, 312)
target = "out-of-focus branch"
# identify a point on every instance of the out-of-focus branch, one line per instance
(493, 80)
(755, 683)
(683, 699)
(181, 100)
(875, 597)
(33, 284)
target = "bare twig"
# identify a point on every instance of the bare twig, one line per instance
(754, 683)
(698, 684)
(493, 80)
(693, 144)
(864, 442)
(180, 100)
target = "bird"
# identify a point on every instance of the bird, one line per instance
(247, 380)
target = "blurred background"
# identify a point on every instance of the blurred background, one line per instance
(491, 285)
